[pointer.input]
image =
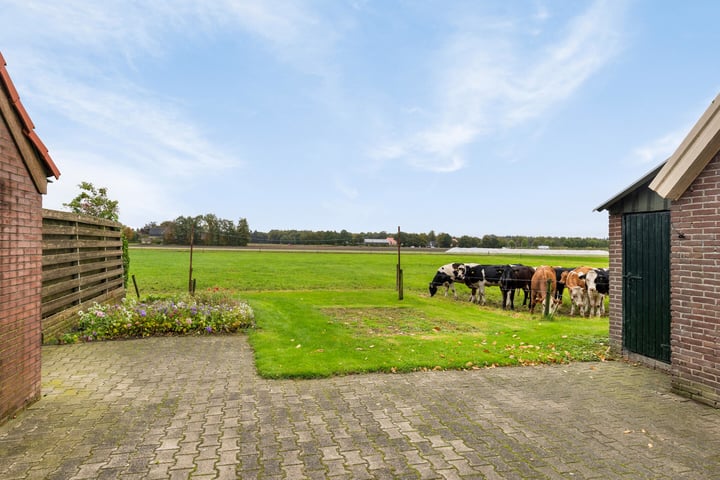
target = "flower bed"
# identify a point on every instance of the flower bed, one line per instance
(214, 311)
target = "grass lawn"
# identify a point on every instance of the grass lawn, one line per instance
(321, 314)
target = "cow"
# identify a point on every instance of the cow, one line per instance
(477, 277)
(539, 288)
(598, 286)
(512, 278)
(446, 276)
(561, 276)
(577, 287)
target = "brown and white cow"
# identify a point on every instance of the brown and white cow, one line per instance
(577, 287)
(539, 288)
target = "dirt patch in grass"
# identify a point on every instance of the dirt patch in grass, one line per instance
(395, 321)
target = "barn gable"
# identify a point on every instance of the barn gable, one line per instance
(676, 206)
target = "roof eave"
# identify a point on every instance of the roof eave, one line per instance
(645, 178)
(694, 153)
(25, 132)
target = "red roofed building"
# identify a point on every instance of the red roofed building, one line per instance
(25, 166)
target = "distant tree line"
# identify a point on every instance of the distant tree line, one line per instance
(210, 230)
(205, 229)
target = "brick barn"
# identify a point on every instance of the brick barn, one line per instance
(665, 264)
(24, 170)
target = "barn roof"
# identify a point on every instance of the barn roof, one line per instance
(631, 190)
(692, 156)
(33, 151)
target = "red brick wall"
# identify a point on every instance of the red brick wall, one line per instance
(20, 281)
(615, 250)
(695, 288)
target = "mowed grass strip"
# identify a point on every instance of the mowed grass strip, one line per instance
(322, 314)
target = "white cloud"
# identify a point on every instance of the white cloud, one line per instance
(660, 149)
(498, 77)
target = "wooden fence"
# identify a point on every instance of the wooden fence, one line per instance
(81, 264)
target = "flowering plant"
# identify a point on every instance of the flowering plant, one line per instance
(212, 312)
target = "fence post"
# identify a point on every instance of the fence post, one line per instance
(190, 276)
(137, 291)
(400, 284)
(548, 299)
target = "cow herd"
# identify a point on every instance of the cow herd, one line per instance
(587, 286)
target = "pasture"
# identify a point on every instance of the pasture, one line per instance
(328, 313)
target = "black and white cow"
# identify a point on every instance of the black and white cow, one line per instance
(598, 286)
(512, 278)
(477, 277)
(560, 277)
(446, 276)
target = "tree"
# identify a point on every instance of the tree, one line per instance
(94, 202)
(444, 240)
(243, 232)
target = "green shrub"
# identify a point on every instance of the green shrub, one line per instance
(214, 311)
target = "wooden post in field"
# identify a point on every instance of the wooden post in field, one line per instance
(548, 299)
(399, 277)
(190, 278)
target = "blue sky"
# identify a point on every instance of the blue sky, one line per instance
(466, 117)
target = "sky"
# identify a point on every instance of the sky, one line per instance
(463, 117)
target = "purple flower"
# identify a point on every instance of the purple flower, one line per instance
(143, 313)
(208, 329)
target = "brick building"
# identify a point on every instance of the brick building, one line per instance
(24, 170)
(665, 264)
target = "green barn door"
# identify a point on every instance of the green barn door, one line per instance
(646, 284)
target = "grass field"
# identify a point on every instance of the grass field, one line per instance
(329, 313)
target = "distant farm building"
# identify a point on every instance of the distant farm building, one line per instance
(380, 242)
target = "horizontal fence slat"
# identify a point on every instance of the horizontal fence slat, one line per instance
(54, 244)
(59, 258)
(73, 270)
(67, 230)
(81, 296)
(79, 282)
(77, 218)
